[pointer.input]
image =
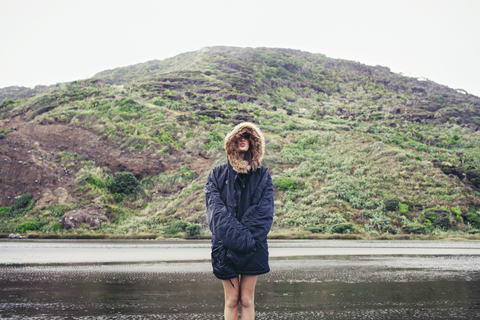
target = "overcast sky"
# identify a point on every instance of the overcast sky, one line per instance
(50, 41)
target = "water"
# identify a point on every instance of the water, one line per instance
(384, 284)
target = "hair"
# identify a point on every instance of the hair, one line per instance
(248, 154)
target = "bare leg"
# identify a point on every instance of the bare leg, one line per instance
(247, 296)
(231, 298)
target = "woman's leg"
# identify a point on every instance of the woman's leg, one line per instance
(247, 296)
(232, 294)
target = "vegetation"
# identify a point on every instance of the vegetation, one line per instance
(124, 184)
(353, 150)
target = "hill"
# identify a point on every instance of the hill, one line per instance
(351, 148)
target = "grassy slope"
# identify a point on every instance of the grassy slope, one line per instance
(341, 139)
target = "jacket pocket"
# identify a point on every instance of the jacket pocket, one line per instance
(239, 259)
(219, 258)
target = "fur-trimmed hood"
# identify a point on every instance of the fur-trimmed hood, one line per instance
(256, 140)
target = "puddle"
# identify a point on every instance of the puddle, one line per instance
(394, 287)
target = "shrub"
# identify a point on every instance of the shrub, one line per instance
(427, 223)
(403, 207)
(317, 229)
(391, 204)
(21, 202)
(6, 103)
(124, 183)
(56, 226)
(415, 228)
(180, 224)
(159, 102)
(473, 219)
(27, 226)
(171, 230)
(456, 211)
(343, 228)
(390, 229)
(431, 215)
(5, 212)
(58, 210)
(52, 227)
(439, 218)
(95, 182)
(193, 230)
(147, 182)
(285, 183)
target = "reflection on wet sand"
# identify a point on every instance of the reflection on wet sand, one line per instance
(321, 287)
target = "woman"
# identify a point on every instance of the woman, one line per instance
(239, 199)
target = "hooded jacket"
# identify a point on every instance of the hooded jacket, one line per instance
(240, 246)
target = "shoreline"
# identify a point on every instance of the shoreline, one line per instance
(46, 251)
(278, 236)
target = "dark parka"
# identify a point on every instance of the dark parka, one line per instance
(240, 246)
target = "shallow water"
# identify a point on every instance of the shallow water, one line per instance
(412, 286)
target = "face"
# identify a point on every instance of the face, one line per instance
(243, 143)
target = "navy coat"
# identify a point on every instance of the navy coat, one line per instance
(239, 247)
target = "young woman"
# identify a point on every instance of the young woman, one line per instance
(239, 199)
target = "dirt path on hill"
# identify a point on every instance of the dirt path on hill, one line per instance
(27, 158)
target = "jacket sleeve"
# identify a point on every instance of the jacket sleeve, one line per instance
(260, 214)
(226, 228)
(261, 217)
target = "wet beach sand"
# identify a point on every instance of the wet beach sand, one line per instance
(310, 279)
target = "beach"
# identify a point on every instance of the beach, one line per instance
(309, 279)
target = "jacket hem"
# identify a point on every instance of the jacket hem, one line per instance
(227, 277)
(254, 273)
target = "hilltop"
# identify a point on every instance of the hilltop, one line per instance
(352, 149)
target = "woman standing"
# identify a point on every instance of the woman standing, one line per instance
(239, 199)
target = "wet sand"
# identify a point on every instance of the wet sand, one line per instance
(335, 279)
(94, 251)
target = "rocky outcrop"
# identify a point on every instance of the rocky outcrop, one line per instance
(58, 196)
(474, 177)
(448, 168)
(91, 215)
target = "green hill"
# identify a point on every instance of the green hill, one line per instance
(351, 148)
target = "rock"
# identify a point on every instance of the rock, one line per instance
(243, 118)
(230, 96)
(459, 172)
(91, 215)
(242, 98)
(58, 196)
(62, 196)
(474, 177)
(46, 199)
(15, 236)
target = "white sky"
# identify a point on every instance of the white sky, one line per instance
(50, 41)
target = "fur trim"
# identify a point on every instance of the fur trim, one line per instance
(258, 147)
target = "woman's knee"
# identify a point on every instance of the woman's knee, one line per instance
(246, 300)
(231, 301)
